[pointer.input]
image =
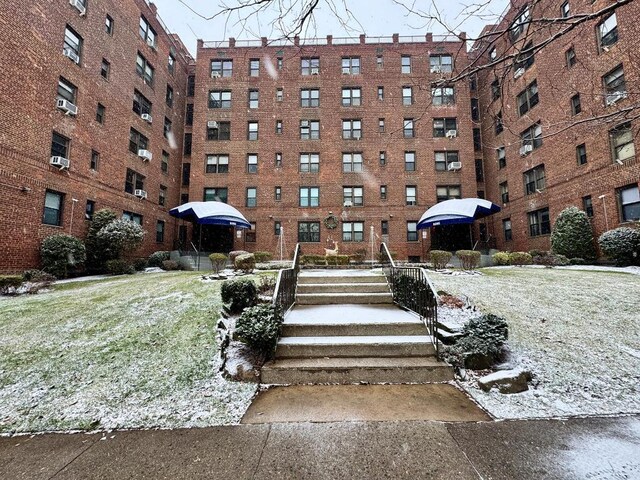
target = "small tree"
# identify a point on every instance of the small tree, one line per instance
(96, 256)
(572, 235)
(119, 237)
(61, 252)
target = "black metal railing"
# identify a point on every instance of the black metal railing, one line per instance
(413, 291)
(284, 295)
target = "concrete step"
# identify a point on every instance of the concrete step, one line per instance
(343, 288)
(343, 329)
(287, 371)
(343, 298)
(355, 346)
(304, 278)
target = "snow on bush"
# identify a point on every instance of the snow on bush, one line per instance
(439, 258)
(156, 258)
(239, 294)
(622, 245)
(245, 262)
(59, 253)
(96, 256)
(469, 259)
(120, 236)
(572, 235)
(218, 261)
(259, 327)
(501, 258)
(520, 258)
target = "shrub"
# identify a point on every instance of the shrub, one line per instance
(407, 291)
(246, 262)
(235, 253)
(239, 294)
(267, 284)
(96, 256)
(259, 327)
(439, 258)
(520, 258)
(313, 259)
(622, 245)
(550, 260)
(59, 253)
(577, 261)
(337, 259)
(470, 259)
(383, 257)
(156, 259)
(500, 258)
(119, 267)
(140, 264)
(218, 261)
(37, 276)
(262, 256)
(119, 237)
(8, 283)
(572, 235)
(481, 342)
(538, 253)
(169, 265)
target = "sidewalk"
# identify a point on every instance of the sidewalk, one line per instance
(593, 448)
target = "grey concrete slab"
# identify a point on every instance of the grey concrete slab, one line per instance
(218, 452)
(40, 456)
(397, 450)
(591, 448)
(337, 314)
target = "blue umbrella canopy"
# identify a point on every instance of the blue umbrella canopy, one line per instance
(210, 213)
(457, 211)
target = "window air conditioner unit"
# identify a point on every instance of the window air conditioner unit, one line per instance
(140, 193)
(212, 124)
(615, 96)
(146, 117)
(67, 107)
(78, 4)
(145, 155)
(436, 70)
(451, 133)
(304, 123)
(348, 203)
(356, 135)
(526, 149)
(68, 52)
(59, 162)
(454, 166)
(518, 73)
(215, 74)
(315, 71)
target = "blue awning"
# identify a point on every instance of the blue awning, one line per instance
(210, 213)
(457, 211)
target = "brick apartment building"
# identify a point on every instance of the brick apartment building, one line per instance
(360, 134)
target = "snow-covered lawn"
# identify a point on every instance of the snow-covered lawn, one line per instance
(577, 331)
(133, 351)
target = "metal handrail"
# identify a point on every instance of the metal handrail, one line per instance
(197, 255)
(284, 295)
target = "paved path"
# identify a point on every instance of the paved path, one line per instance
(594, 449)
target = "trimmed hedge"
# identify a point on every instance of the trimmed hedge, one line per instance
(156, 259)
(622, 245)
(61, 253)
(500, 258)
(236, 253)
(311, 259)
(469, 259)
(572, 235)
(119, 267)
(383, 257)
(259, 327)
(337, 259)
(550, 260)
(262, 256)
(239, 294)
(245, 262)
(169, 265)
(37, 276)
(218, 261)
(439, 258)
(520, 258)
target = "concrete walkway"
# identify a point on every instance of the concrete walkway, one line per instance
(596, 448)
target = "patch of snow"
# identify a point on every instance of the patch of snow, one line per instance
(153, 270)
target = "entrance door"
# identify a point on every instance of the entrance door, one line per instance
(215, 238)
(451, 238)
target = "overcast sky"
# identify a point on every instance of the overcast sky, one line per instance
(372, 17)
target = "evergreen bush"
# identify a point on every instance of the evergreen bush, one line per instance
(500, 258)
(96, 256)
(622, 245)
(61, 253)
(235, 253)
(259, 327)
(8, 283)
(469, 259)
(170, 265)
(481, 343)
(156, 259)
(118, 266)
(520, 258)
(218, 261)
(572, 235)
(439, 258)
(262, 256)
(119, 237)
(239, 294)
(245, 262)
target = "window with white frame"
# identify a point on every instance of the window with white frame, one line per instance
(353, 231)
(443, 96)
(309, 129)
(607, 32)
(411, 195)
(310, 66)
(353, 196)
(405, 64)
(252, 163)
(147, 33)
(447, 192)
(310, 97)
(53, 202)
(252, 197)
(441, 63)
(351, 96)
(622, 147)
(309, 162)
(407, 95)
(444, 159)
(72, 42)
(409, 161)
(254, 67)
(350, 65)
(220, 99)
(252, 130)
(615, 87)
(408, 128)
(309, 197)
(352, 129)
(352, 162)
(221, 68)
(412, 231)
(254, 98)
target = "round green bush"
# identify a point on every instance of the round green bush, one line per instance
(169, 265)
(439, 258)
(621, 245)
(262, 256)
(119, 237)
(37, 276)
(140, 264)
(156, 259)
(239, 294)
(96, 256)
(236, 253)
(520, 258)
(500, 258)
(245, 262)
(119, 267)
(572, 235)
(61, 253)
(218, 261)
(469, 259)
(259, 327)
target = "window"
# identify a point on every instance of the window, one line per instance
(309, 129)
(310, 66)
(570, 56)
(167, 127)
(254, 67)
(519, 24)
(191, 85)
(353, 196)
(67, 90)
(164, 162)
(95, 160)
(622, 146)
(498, 123)
(565, 10)
(250, 233)
(252, 130)
(381, 125)
(352, 162)
(147, 33)
(479, 170)
(614, 85)
(89, 209)
(188, 117)
(219, 131)
(447, 192)
(531, 138)
(350, 65)
(496, 90)
(475, 110)
(133, 181)
(100, 112)
(380, 93)
(412, 231)
(352, 129)
(132, 217)
(383, 158)
(504, 192)
(309, 197)
(252, 197)
(277, 194)
(215, 194)
(186, 174)
(310, 97)
(140, 103)
(309, 162)
(607, 32)
(53, 202)
(108, 25)
(105, 69)
(407, 95)
(581, 154)
(278, 160)
(576, 108)
(353, 231)
(383, 192)
(443, 96)
(171, 63)
(506, 230)
(408, 130)
(221, 68)
(254, 97)
(277, 228)
(162, 196)
(252, 163)
(279, 126)
(523, 60)
(534, 180)
(477, 139)
(168, 98)
(137, 141)
(218, 163)
(280, 63)
(587, 205)
(444, 159)
(309, 232)
(528, 98)
(441, 63)
(188, 143)
(72, 43)
(160, 231)
(59, 146)
(221, 99)
(443, 125)
(351, 97)
(473, 83)
(144, 69)
(539, 223)
(493, 53)
(184, 198)
(629, 200)
(405, 64)
(409, 161)
(379, 61)
(411, 195)
(279, 94)
(502, 157)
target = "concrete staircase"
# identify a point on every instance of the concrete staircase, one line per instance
(345, 329)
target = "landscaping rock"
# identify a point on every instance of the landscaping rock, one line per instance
(507, 381)
(240, 363)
